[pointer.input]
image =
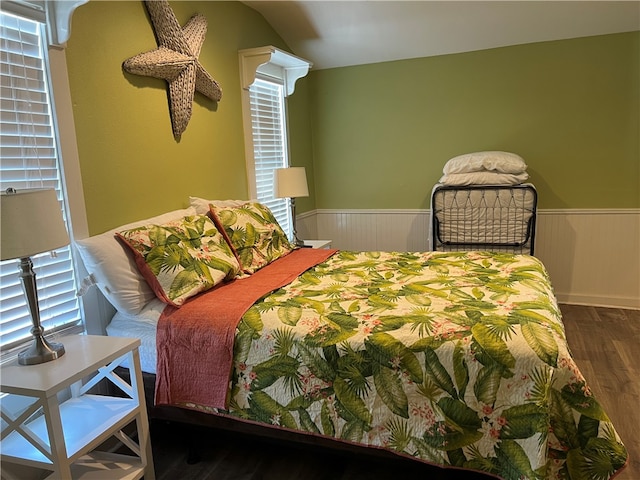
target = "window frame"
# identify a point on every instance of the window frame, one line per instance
(272, 65)
(55, 18)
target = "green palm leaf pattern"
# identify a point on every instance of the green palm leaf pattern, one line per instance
(290, 314)
(461, 418)
(306, 422)
(351, 402)
(401, 436)
(578, 396)
(456, 358)
(513, 461)
(438, 373)
(541, 341)
(524, 421)
(493, 347)
(429, 453)
(274, 369)
(487, 384)
(328, 427)
(267, 410)
(352, 431)
(443, 437)
(255, 234)
(387, 350)
(595, 460)
(460, 369)
(184, 257)
(315, 361)
(389, 387)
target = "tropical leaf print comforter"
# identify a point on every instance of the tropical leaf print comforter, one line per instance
(458, 359)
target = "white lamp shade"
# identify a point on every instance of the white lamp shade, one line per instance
(31, 223)
(291, 182)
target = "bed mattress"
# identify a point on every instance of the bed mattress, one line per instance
(142, 326)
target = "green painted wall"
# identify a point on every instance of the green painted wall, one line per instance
(382, 132)
(373, 136)
(300, 140)
(131, 165)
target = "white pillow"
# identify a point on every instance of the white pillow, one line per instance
(483, 178)
(114, 268)
(501, 162)
(202, 206)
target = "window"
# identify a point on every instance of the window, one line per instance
(269, 145)
(30, 160)
(268, 76)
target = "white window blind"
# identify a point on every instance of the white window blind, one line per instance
(269, 145)
(30, 160)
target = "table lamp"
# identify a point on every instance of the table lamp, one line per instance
(32, 223)
(290, 183)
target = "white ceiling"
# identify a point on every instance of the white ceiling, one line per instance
(338, 33)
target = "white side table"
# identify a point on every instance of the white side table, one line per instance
(318, 243)
(46, 429)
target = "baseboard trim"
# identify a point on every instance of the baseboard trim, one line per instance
(594, 301)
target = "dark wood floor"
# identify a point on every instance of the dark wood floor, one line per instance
(604, 342)
(226, 456)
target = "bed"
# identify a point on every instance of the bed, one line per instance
(482, 202)
(484, 217)
(456, 359)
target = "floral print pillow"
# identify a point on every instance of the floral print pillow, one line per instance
(181, 258)
(253, 233)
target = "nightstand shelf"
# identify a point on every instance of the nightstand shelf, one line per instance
(318, 243)
(103, 466)
(51, 422)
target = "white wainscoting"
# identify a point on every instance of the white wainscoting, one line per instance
(368, 230)
(592, 256)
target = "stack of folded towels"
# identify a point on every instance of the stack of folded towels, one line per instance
(485, 168)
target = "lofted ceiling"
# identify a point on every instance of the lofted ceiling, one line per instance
(338, 33)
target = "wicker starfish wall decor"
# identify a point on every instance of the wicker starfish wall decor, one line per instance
(176, 61)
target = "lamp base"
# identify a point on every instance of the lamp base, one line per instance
(40, 351)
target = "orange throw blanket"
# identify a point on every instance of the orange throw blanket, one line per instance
(195, 342)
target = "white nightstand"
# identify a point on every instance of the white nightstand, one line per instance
(318, 243)
(49, 430)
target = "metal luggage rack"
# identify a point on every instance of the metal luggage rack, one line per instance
(484, 217)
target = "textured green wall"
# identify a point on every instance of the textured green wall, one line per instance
(382, 132)
(131, 165)
(373, 136)
(300, 139)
